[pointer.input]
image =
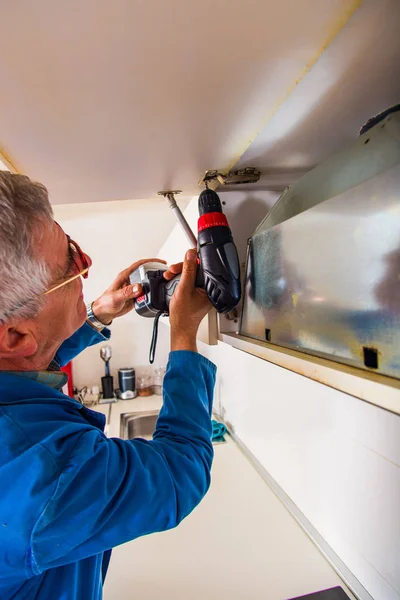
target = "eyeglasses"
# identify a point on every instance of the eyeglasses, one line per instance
(81, 265)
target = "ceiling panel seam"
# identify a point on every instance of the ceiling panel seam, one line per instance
(4, 158)
(334, 32)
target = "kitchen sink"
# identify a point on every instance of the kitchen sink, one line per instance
(142, 425)
(138, 424)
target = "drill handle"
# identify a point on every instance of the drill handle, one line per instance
(170, 286)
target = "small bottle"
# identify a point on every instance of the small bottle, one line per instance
(159, 373)
(144, 387)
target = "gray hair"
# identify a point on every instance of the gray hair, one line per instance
(24, 208)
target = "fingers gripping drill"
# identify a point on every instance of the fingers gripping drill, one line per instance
(218, 271)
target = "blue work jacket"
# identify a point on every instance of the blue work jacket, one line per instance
(68, 494)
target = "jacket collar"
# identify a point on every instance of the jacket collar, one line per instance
(20, 390)
(17, 389)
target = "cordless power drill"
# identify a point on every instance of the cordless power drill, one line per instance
(218, 271)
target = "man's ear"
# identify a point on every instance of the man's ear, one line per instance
(17, 340)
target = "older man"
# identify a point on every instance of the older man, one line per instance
(68, 493)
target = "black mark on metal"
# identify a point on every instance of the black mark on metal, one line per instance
(370, 357)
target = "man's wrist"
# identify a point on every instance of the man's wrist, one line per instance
(100, 314)
(94, 319)
(183, 341)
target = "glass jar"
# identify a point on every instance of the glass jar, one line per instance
(159, 373)
(144, 387)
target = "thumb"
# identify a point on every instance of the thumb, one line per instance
(189, 269)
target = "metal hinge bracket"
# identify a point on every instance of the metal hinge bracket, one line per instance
(247, 175)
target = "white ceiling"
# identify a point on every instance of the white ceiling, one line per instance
(357, 77)
(104, 101)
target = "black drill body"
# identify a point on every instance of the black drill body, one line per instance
(218, 255)
(218, 272)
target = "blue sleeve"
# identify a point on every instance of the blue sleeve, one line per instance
(82, 338)
(112, 490)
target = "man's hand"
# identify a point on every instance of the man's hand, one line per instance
(189, 305)
(119, 298)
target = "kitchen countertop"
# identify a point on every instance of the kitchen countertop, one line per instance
(239, 543)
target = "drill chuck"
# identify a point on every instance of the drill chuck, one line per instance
(209, 202)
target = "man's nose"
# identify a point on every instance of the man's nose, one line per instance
(89, 260)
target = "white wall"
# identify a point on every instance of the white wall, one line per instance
(115, 234)
(336, 457)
